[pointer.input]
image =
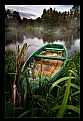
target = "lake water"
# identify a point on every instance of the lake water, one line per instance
(71, 41)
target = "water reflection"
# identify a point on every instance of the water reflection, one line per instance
(71, 41)
(13, 37)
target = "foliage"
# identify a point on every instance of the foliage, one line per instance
(14, 61)
(50, 105)
(57, 99)
(49, 18)
(10, 61)
(73, 65)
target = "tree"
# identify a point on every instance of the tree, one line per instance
(8, 12)
(75, 11)
(44, 13)
(17, 16)
(50, 10)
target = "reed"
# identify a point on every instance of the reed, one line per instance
(58, 99)
(47, 105)
(16, 68)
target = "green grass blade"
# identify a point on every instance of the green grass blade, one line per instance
(64, 102)
(22, 51)
(71, 107)
(74, 108)
(73, 73)
(58, 81)
(25, 94)
(75, 93)
(58, 96)
(23, 114)
(74, 85)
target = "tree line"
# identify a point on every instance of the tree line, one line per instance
(49, 18)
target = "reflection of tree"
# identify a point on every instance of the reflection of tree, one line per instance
(31, 35)
(51, 38)
(12, 37)
(68, 39)
(48, 38)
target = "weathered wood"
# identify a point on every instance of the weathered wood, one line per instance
(49, 57)
(56, 49)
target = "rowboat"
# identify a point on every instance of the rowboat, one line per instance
(45, 65)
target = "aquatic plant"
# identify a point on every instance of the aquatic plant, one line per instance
(58, 99)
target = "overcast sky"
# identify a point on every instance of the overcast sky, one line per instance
(35, 11)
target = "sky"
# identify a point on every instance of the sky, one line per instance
(35, 11)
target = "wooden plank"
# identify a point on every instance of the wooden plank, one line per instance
(56, 49)
(50, 57)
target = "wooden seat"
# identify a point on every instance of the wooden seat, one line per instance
(50, 57)
(56, 49)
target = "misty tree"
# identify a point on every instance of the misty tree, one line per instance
(49, 19)
(8, 12)
(44, 12)
(16, 16)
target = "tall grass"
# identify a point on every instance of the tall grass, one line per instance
(49, 105)
(58, 99)
(14, 71)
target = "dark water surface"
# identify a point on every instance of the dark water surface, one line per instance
(71, 41)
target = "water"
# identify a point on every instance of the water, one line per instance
(71, 41)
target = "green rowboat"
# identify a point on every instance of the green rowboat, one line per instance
(45, 65)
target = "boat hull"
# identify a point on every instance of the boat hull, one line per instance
(43, 58)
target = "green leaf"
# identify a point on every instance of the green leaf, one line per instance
(64, 102)
(58, 81)
(71, 107)
(73, 73)
(22, 51)
(58, 96)
(74, 108)
(24, 113)
(75, 93)
(74, 85)
(25, 94)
